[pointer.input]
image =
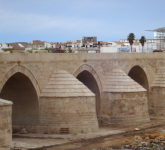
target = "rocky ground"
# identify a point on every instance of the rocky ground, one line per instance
(144, 142)
(150, 138)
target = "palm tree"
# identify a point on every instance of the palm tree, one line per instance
(131, 38)
(142, 41)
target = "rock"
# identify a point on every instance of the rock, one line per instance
(138, 138)
(135, 143)
(161, 137)
(157, 140)
(23, 131)
(127, 142)
(147, 140)
(144, 144)
(140, 144)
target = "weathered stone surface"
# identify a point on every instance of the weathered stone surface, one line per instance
(39, 69)
(64, 107)
(63, 84)
(125, 107)
(23, 131)
(159, 80)
(76, 113)
(5, 123)
(124, 100)
(158, 94)
(118, 81)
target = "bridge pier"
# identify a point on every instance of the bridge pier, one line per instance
(158, 95)
(5, 123)
(124, 100)
(67, 105)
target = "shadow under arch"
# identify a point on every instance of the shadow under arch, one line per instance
(138, 74)
(88, 76)
(23, 70)
(18, 87)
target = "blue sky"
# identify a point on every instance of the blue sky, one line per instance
(61, 20)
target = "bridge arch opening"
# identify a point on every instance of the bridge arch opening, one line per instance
(20, 90)
(88, 80)
(139, 75)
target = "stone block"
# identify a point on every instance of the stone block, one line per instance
(5, 123)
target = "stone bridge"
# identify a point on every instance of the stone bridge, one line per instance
(28, 81)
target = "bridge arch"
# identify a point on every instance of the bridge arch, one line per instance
(91, 70)
(139, 74)
(20, 86)
(23, 70)
(89, 77)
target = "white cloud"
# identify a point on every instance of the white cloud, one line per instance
(25, 23)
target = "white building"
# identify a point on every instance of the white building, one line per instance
(49, 45)
(148, 47)
(119, 47)
(1, 48)
(6, 46)
(76, 44)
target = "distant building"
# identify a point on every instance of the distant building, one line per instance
(125, 40)
(40, 45)
(89, 39)
(1, 48)
(36, 45)
(113, 47)
(77, 44)
(14, 46)
(19, 45)
(38, 41)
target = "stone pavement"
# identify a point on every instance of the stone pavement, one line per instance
(33, 141)
(47, 140)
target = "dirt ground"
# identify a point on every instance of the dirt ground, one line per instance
(112, 141)
(108, 136)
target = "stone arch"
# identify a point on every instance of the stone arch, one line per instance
(23, 70)
(88, 76)
(20, 86)
(139, 74)
(91, 70)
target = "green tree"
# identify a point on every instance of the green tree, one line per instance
(131, 38)
(69, 50)
(47, 49)
(142, 41)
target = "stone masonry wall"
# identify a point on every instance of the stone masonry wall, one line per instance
(5, 125)
(76, 113)
(42, 65)
(125, 107)
(39, 67)
(158, 101)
